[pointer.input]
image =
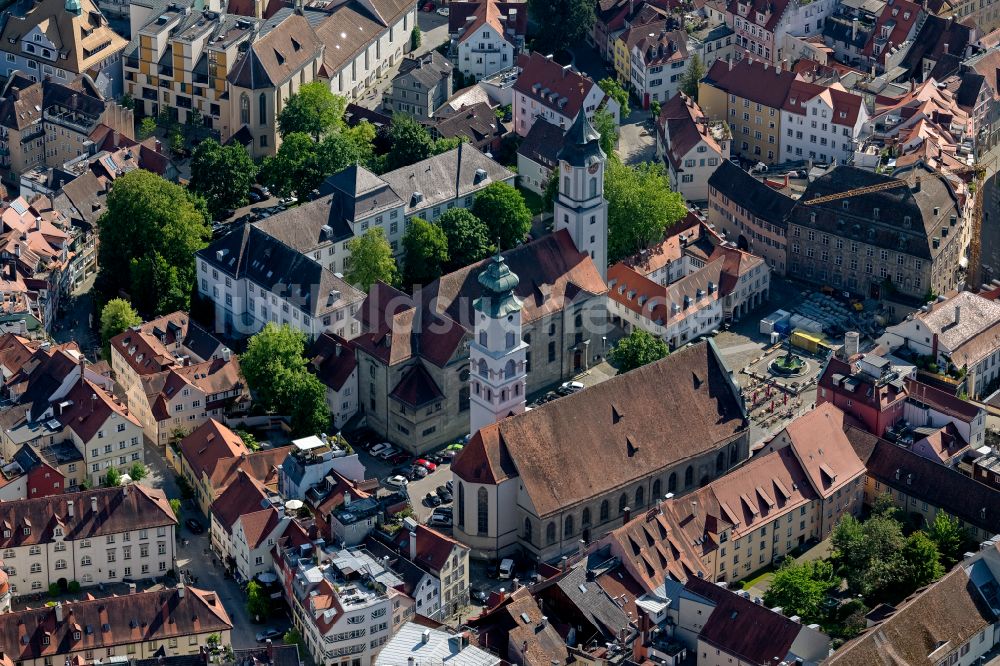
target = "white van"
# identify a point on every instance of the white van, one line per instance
(506, 568)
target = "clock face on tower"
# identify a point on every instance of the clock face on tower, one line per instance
(592, 169)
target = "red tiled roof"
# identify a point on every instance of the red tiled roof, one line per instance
(496, 14)
(130, 507)
(209, 444)
(753, 80)
(818, 440)
(333, 359)
(657, 43)
(244, 495)
(899, 16)
(91, 409)
(416, 388)
(433, 548)
(540, 74)
(771, 9)
(257, 525)
(841, 101)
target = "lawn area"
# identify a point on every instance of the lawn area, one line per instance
(532, 200)
(760, 579)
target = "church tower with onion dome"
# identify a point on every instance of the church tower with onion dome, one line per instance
(497, 353)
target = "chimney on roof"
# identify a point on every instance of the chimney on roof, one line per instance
(425, 636)
(38, 224)
(17, 250)
(131, 588)
(69, 508)
(93, 504)
(340, 349)
(413, 545)
(958, 314)
(180, 590)
(59, 611)
(628, 513)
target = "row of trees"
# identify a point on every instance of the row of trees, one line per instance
(877, 561)
(458, 238)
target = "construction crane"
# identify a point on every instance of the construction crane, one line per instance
(858, 191)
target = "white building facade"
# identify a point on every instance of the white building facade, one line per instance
(821, 124)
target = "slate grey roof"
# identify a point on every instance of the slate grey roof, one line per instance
(428, 69)
(543, 143)
(762, 201)
(250, 252)
(593, 602)
(301, 227)
(908, 218)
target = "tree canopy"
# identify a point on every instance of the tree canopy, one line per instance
(222, 175)
(258, 603)
(302, 164)
(502, 208)
(605, 125)
(117, 315)
(409, 140)
(426, 252)
(951, 538)
(694, 73)
(371, 260)
(148, 235)
(637, 349)
(615, 91)
(468, 238)
(641, 206)
(277, 375)
(800, 588)
(313, 110)
(566, 21)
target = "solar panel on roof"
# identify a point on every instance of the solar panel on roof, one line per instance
(19, 206)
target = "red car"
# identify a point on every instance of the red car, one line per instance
(398, 459)
(429, 7)
(426, 464)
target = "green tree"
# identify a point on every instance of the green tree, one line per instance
(116, 316)
(295, 168)
(415, 38)
(637, 349)
(175, 506)
(605, 125)
(277, 375)
(923, 562)
(800, 588)
(870, 555)
(654, 109)
(147, 127)
(505, 213)
(258, 604)
(351, 145)
(222, 175)
(113, 478)
(949, 536)
(138, 471)
(313, 110)
(425, 248)
(551, 192)
(613, 89)
(128, 101)
(444, 144)
(293, 637)
(468, 238)
(178, 147)
(695, 72)
(641, 206)
(249, 439)
(148, 236)
(409, 142)
(565, 22)
(371, 260)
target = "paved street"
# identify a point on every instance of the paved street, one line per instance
(75, 324)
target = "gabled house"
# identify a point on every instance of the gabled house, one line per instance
(335, 363)
(420, 87)
(658, 54)
(486, 35)
(691, 145)
(556, 93)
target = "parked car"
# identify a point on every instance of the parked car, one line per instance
(479, 596)
(418, 472)
(450, 486)
(398, 481)
(440, 489)
(429, 7)
(506, 568)
(379, 448)
(426, 464)
(398, 459)
(270, 632)
(255, 196)
(195, 526)
(572, 386)
(445, 497)
(443, 11)
(439, 519)
(385, 454)
(432, 500)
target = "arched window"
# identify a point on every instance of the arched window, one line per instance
(482, 338)
(640, 496)
(85, 561)
(593, 187)
(622, 503)
(517, 390)
(245, 109)
(605, 510)
(585, 521)
(568, 527)
(566, 184)
(483, 502)
(732, 455)
(720, 462)
(510, 340)
(60, 564)
(672, 482)
(688, 476)
(503, 395)
(527, 530)
(484, 372)
(262, 109)
(461, 504)
(510, 369)
(656, 491)
(550, 533)
(489, 394)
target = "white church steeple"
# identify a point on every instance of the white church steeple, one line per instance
(497, 354)
(580, 207)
